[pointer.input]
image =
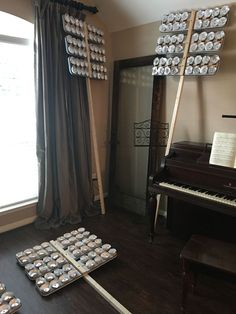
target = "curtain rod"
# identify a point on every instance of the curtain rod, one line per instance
(229, 116)
(77, 5)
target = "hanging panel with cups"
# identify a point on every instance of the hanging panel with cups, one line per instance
(203, 35)
(85, 51)
(85, 47)
(171, 45)
(206, 40)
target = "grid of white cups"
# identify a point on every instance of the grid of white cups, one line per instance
(166, 66)
(202, 65)
(82, 52)
(211, 18)
(72, 25)
(170, 44)
(175, 22)
(206, 40)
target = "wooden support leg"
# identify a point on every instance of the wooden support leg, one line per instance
(95, 146)
(152, 212)
(158, 198)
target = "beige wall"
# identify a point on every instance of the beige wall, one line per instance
(135, 42)
(100, 93)
(204, 100)
(20, 8)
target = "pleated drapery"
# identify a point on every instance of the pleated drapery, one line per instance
(63, 131)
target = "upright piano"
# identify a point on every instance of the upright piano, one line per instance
(201, 196)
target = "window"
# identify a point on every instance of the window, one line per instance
(18, 162)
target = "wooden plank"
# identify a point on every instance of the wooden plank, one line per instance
(76, 264)
(171, 132)
(174, 114)
(188, 41)
(58, 247)
(106, 295)
(93, 127)
(158, 197)
(178, 96)
(181, 82)
(87, 47)
(95, 147)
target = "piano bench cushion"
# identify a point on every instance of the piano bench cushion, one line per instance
(210, 252)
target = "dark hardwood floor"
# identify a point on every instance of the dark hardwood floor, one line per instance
(145, 278)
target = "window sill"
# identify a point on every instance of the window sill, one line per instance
(19, 215)
(19, 206)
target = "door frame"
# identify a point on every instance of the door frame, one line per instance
(152, 158)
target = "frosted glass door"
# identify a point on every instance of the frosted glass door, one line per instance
(135, 102)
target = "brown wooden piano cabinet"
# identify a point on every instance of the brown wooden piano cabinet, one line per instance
(201, 196)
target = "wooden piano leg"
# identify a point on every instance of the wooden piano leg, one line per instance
(194, 276)
(152, 213)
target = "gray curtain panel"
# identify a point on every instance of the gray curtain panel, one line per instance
(63, 131)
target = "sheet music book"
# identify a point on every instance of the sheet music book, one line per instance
(223, 152)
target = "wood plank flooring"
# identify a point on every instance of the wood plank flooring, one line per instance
(145, 278)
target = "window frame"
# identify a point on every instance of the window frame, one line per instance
(15, 40)
(21, 41)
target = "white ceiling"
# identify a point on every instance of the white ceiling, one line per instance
(123, 14)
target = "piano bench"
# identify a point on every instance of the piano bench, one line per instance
(201, 251)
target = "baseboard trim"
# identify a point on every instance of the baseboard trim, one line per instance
(17, 224)
(97, 198)
(163, 213)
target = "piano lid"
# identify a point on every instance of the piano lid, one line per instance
(198, 153)
(188, 163)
